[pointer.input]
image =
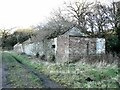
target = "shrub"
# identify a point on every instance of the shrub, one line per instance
(42, 57)
(51, 58)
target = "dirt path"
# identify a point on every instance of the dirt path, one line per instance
(5, 83)
(46, 82)
(4, 74)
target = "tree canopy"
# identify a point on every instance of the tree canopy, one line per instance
(9, 40)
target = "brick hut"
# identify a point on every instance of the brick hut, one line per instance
(73, 44)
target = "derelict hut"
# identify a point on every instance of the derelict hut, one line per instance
(74, 44)
(64, 46)
(50, 46)
(29, 47)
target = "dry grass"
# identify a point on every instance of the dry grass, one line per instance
(103, 59)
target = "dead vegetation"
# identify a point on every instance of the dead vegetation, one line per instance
(101, 58)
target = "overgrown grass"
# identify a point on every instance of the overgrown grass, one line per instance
(78, 75)
(19, 77)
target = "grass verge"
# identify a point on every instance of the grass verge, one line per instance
(78, 75)
(19, 77)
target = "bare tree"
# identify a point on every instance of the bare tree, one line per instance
(93, 19)
(115, 14)
(57, 24)
(99, 19)
(78, 10)
(4, 33)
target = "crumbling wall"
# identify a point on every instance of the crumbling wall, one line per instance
(80, 46)
(62, 54)
(18, 48)
(48, 50)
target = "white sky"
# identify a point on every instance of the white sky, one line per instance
(24, 13)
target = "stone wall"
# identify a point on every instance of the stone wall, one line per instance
(74, 48)
(38, 48)
(79, 46)
(62, 54)
(49, 50)
(18, 48)
(28, 49)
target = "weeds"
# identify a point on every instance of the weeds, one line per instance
(80, 74)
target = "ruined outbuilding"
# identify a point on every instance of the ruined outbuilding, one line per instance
(70, 45)
(74, 44)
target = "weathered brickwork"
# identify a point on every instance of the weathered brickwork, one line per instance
(73, 48)
(48, 51)
(62, 54)
(79, 46)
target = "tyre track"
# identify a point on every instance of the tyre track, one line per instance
(47, 83)
(5, 83)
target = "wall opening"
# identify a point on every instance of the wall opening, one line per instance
(53, 46)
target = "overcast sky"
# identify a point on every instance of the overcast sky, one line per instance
(24, 13)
